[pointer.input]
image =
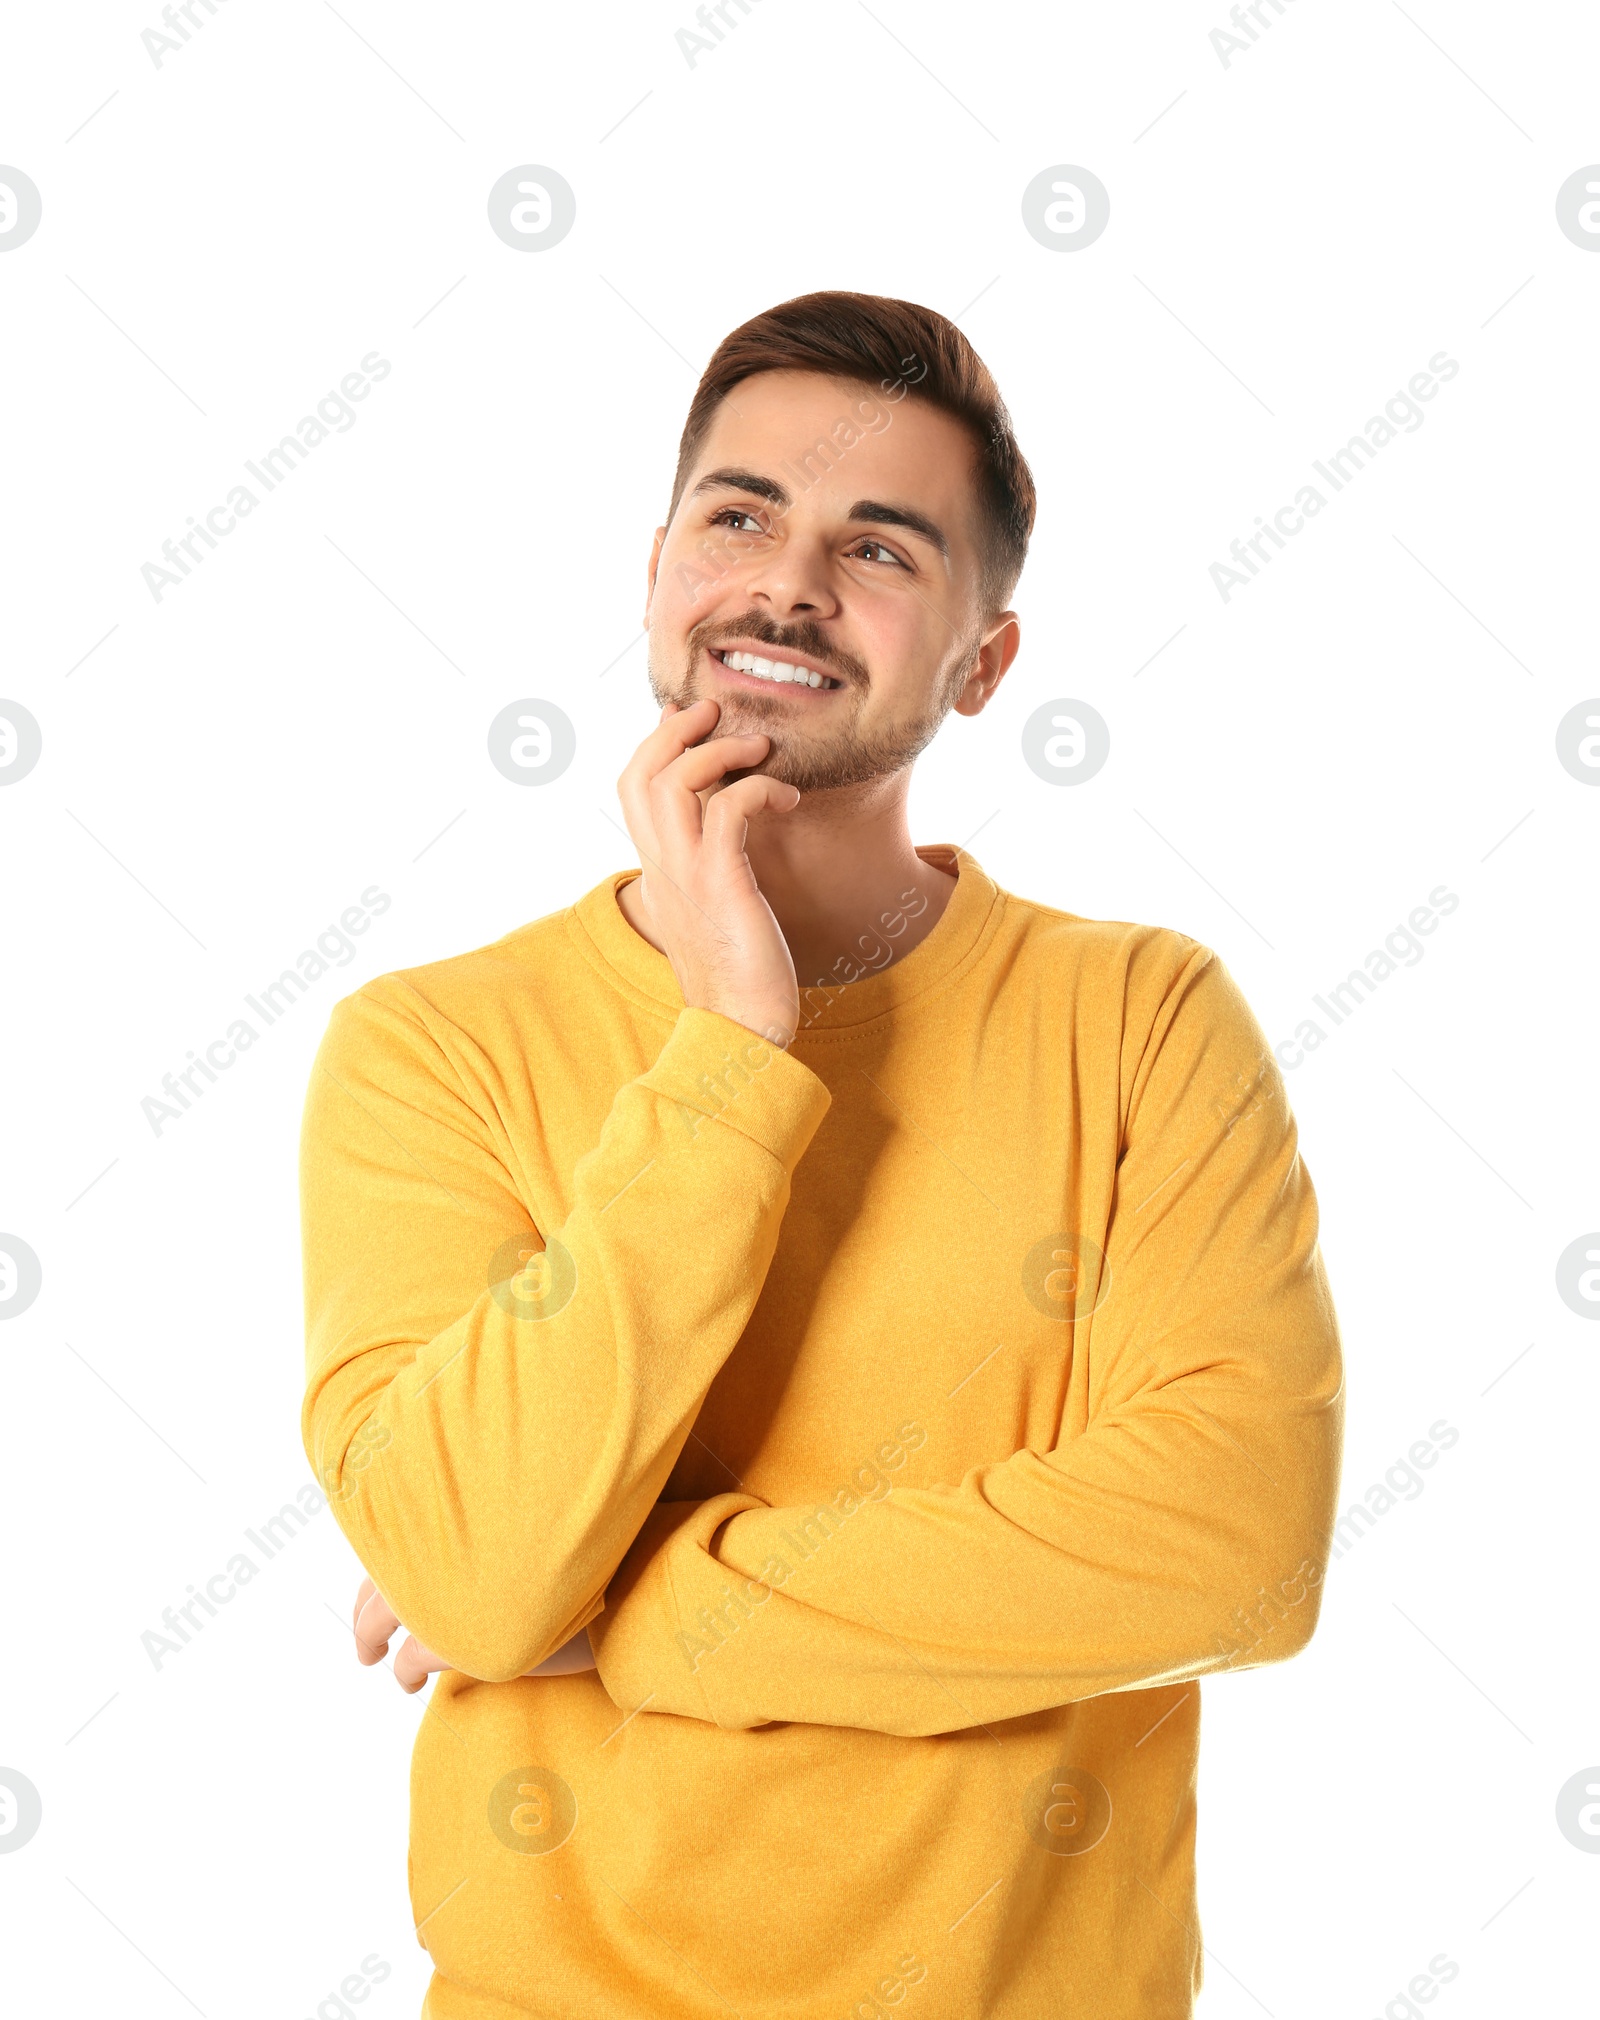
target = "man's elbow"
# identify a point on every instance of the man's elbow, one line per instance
(1276, 1621)
(492, 1663)
(468, 1621)
(484, 1640)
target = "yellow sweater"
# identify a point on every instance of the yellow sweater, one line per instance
(912, 1417)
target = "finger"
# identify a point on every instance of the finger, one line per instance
(702, 764)
(364, 1594)
(728, 813)
(375, 1623)
(676, 729)
(415, 1664)
(674, 804)
(727, 826)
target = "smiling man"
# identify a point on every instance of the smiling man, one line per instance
(821, 1353)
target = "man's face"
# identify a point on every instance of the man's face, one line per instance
(827, 527)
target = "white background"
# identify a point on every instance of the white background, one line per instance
(1292, 236)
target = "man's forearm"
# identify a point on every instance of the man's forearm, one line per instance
(491, 1475)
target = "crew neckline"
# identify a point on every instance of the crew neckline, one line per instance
(970, 915)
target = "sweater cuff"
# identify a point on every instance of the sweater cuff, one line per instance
(714, 1069)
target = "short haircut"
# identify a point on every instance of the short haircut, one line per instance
(883, 342)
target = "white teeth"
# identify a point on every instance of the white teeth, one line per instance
(772, 669)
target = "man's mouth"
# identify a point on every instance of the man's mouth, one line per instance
(774, 671)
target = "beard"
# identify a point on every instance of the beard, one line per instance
(824, 756)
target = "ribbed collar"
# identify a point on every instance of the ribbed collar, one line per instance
(970, 916)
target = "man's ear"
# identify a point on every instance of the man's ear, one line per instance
(1001, 640)
(650, 573)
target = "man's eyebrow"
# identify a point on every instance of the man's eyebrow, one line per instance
(742, 480)
(868, 511)
(901, 515)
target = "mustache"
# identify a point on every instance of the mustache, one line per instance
(805, 638)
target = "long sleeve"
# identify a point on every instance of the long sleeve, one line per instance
(492, 1408)
(1182, 1529)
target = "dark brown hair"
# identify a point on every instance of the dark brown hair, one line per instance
(887, 344)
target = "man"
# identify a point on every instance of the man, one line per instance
(821, 1353)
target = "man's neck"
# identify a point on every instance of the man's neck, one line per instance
(842, 891)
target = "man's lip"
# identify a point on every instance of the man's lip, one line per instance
(778, 654)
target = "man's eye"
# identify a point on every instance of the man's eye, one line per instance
(731, 512)
(878, 548)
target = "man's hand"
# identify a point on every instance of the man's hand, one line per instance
(376, 1622)
(698, 890)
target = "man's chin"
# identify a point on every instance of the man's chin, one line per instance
(830, 762)
(773, 766)
(819, 771)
